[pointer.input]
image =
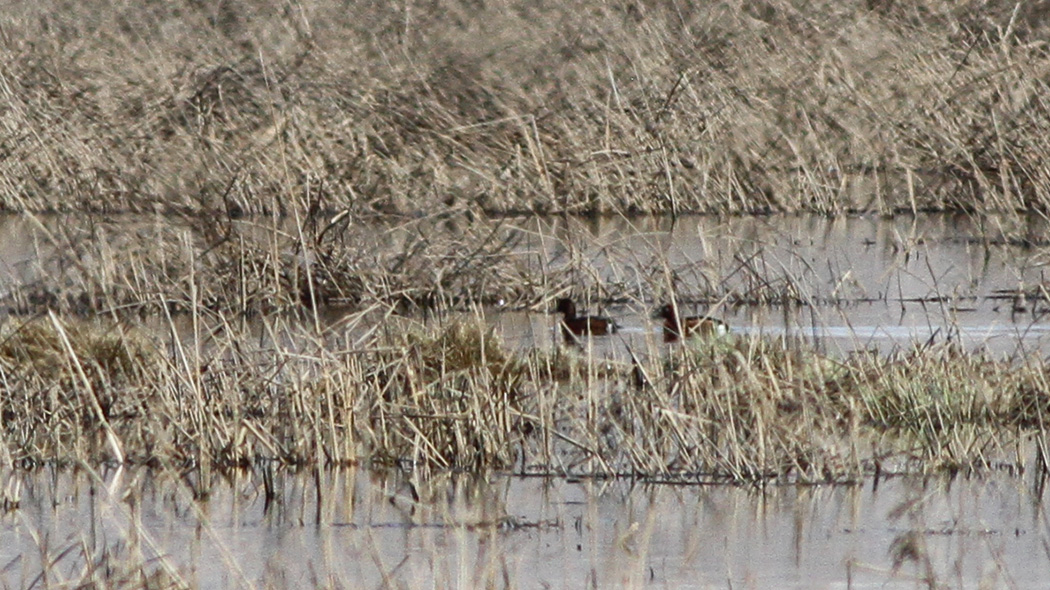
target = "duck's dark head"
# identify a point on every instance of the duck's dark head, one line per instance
(665, 312)
(565, 306)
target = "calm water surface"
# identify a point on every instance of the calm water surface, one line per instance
(534, 533)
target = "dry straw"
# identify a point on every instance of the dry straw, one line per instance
(452, 395)
(583, 107)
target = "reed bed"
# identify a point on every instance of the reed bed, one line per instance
(449, 394)
(147, 341)
(196, 338)
(510, 106)
(148, 266)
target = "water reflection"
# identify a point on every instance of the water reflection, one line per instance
(363, 529)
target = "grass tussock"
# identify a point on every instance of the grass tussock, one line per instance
(454, 396)
(768, 410)
(512, 106)
(106, 351)
(452, 399)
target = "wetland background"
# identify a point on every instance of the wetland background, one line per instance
(312, 245)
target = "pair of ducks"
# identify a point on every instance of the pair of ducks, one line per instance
(675, 327)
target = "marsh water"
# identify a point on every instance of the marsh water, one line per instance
(366, 530)
(840, 285)
(846, 284)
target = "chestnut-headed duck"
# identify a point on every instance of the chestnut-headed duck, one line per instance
(573, 325)
(676, 327)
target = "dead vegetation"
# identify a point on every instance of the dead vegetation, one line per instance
(149, 266)
(438, 119)
(450, 395)
(510, 106)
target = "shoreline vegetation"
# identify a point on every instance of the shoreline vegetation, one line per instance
(145, 343)
(512, 107)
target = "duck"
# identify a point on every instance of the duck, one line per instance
(693, 326)
(573, 325)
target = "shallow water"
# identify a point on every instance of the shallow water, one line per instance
(859, 283)
(845, 284)
(531, 532)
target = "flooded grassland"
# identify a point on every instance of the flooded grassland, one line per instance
(290, 330)
(900, 359)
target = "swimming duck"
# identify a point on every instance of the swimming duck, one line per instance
(573, 325)
(675, 327)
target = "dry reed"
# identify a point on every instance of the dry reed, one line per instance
(583, 107)
(453, 396)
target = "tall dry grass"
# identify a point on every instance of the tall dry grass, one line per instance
(452, 395)
(510, 106)
(150, 265)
